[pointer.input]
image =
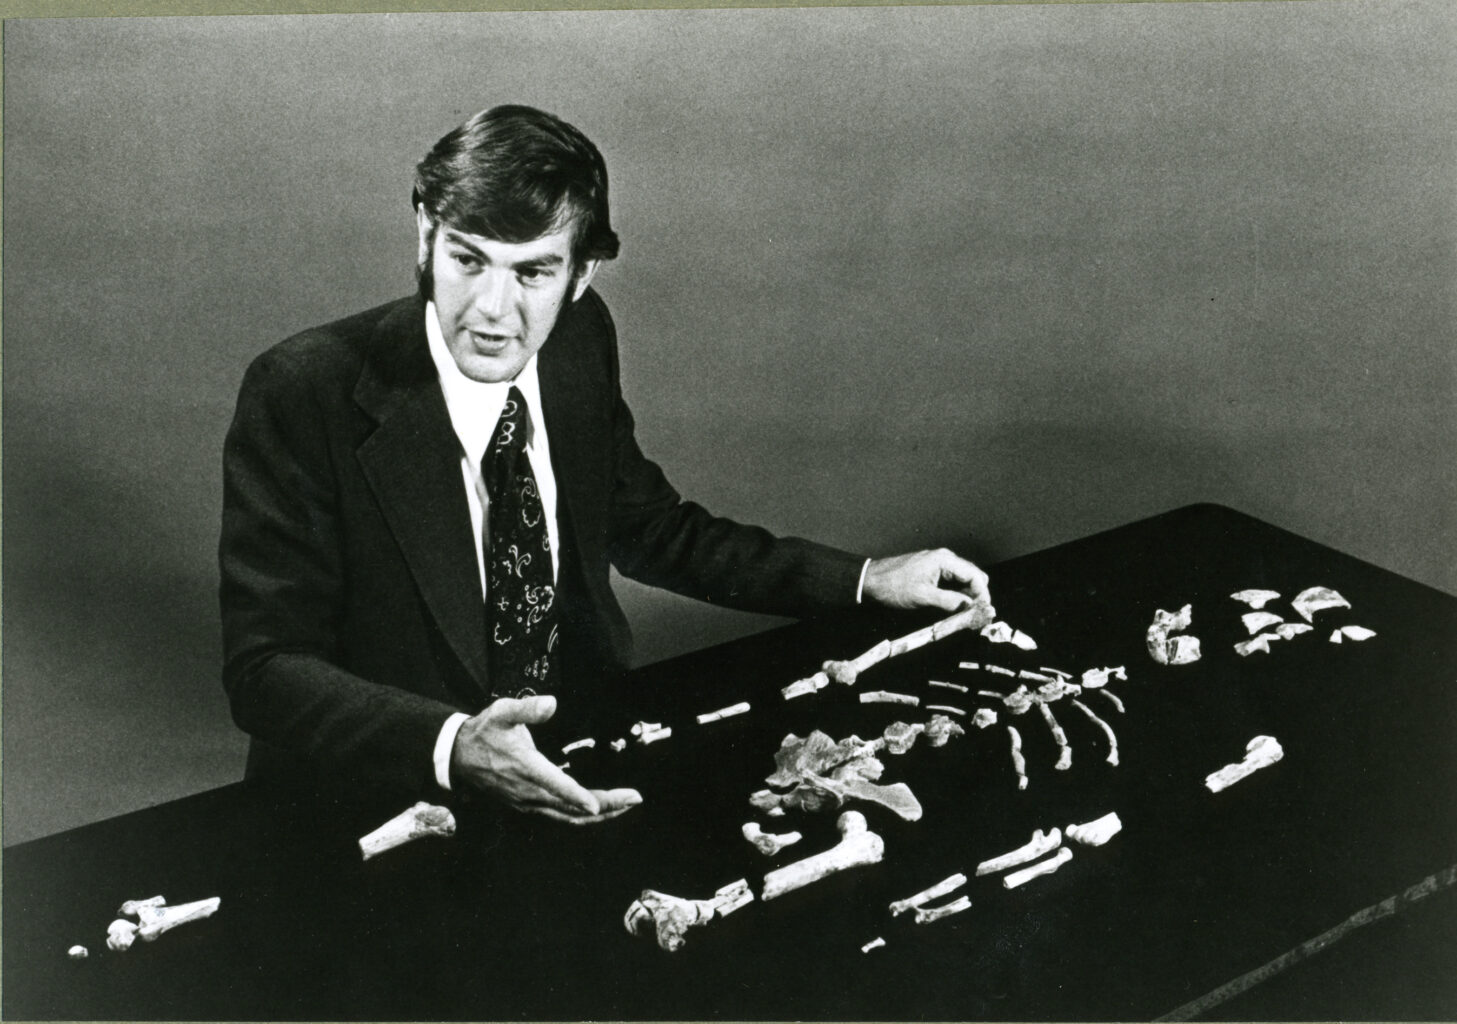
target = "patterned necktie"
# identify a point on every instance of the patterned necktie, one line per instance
(520, 598)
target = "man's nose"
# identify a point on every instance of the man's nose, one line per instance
(495, 293)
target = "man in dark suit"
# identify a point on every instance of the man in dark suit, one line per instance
(422, 501)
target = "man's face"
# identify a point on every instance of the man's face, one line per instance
(498, 301)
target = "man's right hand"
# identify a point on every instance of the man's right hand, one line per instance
(494, 752)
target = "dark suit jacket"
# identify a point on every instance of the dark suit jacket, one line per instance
(352, 616)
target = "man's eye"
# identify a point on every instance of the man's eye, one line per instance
(465, 260)
(532, 275)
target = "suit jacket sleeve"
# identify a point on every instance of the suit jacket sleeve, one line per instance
(281, 585)
(660, 539)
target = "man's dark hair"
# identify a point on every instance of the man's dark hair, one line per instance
(513, 174)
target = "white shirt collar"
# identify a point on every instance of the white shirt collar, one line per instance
(475, 406)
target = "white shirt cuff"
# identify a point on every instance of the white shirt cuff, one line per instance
(444, 744)
(860, 590)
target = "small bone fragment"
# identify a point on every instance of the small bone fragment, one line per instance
(1096, 832)
(900, 737)
(1172, 650)
(1055, 672)
(1315, 599)
(722, 713)
(1040, 677)
(886, 697)
(969, 666)
(765, 800)
(942, 888)
(654, 734)
(1256, 621)
(1260, 752)
(940, 729)
(183, 913)
(945, 707)
(997, 632)
(120, 935)
(1039, 869)
(420, 820)
(1041, 843)
(984, 717)
(670, 917)
(947, 686)
(808, 685)
(586, 744)
(1260, 643)
(1096, 677)
(768, 843)
(1256, 598)
(1358, 632)
(1107, 730)
(1023, 641)
(78, 952)
(1064, 749)
(998, 670)
(1182, 650)
(875, 943)
(858, 846)
(618, 745)
(732, 896)
(1290, 630)
(925, 915)
(775, 812)
(1113, 697)
(1018, 761)
(131, 908)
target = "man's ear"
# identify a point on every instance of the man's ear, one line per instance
(425, 233)
(584, 278)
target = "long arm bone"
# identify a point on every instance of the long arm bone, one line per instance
(1260, 752)
(420, 820)
(768, 843)
(670, 917)
(1040, 844)
(1039, 869)
(972, 617)
(858, 846)
(935, 892)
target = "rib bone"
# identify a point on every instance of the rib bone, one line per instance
(1260, 752)
(768, 843)
(858, 846)
(420, 820)
(1040, 844)
(1107, 729)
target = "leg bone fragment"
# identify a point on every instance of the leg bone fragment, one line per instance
(858, 846)
(1107, 729)
(722, 713)
(925, 915)
(1045, 867)
(170, 917)
(1040, 844)
(420, 820)
(1260, 752)
(942, 888)
(1096, 832)
(670, 917)
(768, 843)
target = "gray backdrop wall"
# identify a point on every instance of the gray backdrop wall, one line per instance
(995, 277)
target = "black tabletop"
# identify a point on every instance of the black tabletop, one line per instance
(1316, 888)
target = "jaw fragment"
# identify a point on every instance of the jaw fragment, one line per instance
(1315, 599)
(670, 917)
(768, 843)
(858, 846)
(1255, 598)
(942, 888)
(925, 915)
(1096, 832)
(167, 918)
(1040, 844)
(1260, 752)
(413, 823)
(1172, 650)
(1046, 867)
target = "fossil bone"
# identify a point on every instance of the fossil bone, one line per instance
(768, 843)
(1045, 867)
(858, 846)
(947, 708)
(1259, 643)
(808, 685)
(940, 729)
(947, 686)
(420, 820)
(1107, 729)
(942, 888)
(1055, 672)
(78, 952)
(618, 745)
(1315, 599)
(1290, 630)
(722, 713)
(170, 917)
(1094, 678)
(120, 935)
(1256, 621)
(1256, 598)
(875, 943)
(997, 632)
(1172, 650)
(925, 915)
(1096, 832)
(973, 616)
(586, 744)
(651, 732)
(998, 670)
(886, 697)
(1023, 641)
(131, 908)
(1040, 844)
(1040, 677)
(670, 917)
(1353, 633)
(1019, 763)
(984, 717)
(968, 666)
(1064, 749)
(1260, 752)
(1113, 697)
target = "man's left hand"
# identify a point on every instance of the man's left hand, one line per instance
(926, 579)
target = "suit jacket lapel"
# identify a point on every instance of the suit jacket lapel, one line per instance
(412, 463)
